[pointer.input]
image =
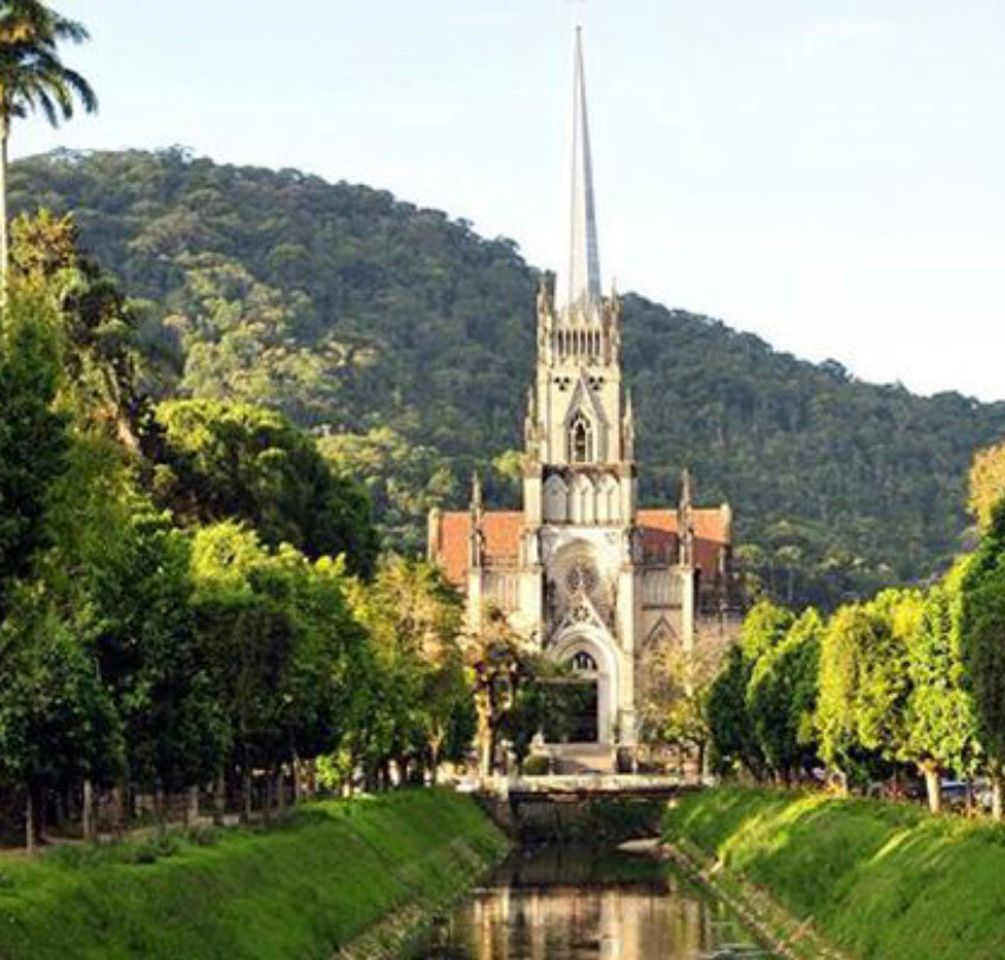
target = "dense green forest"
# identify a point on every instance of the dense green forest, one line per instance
(405, 341)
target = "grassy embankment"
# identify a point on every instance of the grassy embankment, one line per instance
(877, 880)
(300, 889)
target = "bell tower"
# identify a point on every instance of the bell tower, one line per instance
(579, 430)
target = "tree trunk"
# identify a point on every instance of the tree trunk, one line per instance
(87, 812)
(160, 809)
(434, 761)
(246, 790)
(4, 242)
(280, 790)
(298, 779)
(933, 785)
(270, 794)
(997, 792)
(842, 779)
(40, 811)
(60, 803)
(484, 751)
(119, 802)
(484, 736)
(219, 799)
(29, 821)
(494, 760)
(192, 807)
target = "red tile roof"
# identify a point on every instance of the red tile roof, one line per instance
(711, 533)
(710, 523)
(502, 528)
(451, 543)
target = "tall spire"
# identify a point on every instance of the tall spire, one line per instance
(579, 282)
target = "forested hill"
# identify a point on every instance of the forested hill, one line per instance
(407, 340)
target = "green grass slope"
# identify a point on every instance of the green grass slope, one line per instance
(298, 890)
(878, 880)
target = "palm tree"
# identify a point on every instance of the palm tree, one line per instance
(33, 77)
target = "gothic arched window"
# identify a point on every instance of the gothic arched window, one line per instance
(580, 440)
(556, 497)
(582, 662)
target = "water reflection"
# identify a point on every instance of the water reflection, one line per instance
(568, 904)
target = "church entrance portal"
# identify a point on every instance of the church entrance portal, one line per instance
(576, 699)
(583, 710)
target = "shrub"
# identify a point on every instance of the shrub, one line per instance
(536, 766)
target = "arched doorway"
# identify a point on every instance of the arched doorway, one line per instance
(582, 696)
(584, 708)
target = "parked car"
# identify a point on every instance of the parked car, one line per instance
(982, 794)
(954, 794)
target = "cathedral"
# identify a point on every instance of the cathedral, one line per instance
(600, 583)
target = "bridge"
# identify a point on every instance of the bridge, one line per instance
(590, 786)
(583, 806)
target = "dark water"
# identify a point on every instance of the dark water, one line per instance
(573, 904)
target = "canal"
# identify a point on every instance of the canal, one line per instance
(574, 903)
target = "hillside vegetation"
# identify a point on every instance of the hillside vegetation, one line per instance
(303, 888)
(408, 339)
(877, 880)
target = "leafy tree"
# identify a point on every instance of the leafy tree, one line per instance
(404, 480)
(941, 719)
(33, 77)
(279, 644)
(100, 332)
(414, 619)
(33, 439)
(499, 661)
(58, 725)
(987, 483)
(673, 702)
(239, 339)
(782, 697)
(753, 569)
(734, 739)
(865, 684)
(983, 634)
(849, 631)
(734, 743)
(122, 564)
(764, 627)
(884, 671)
(236, 461)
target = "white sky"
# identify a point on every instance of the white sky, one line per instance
(828, 175)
